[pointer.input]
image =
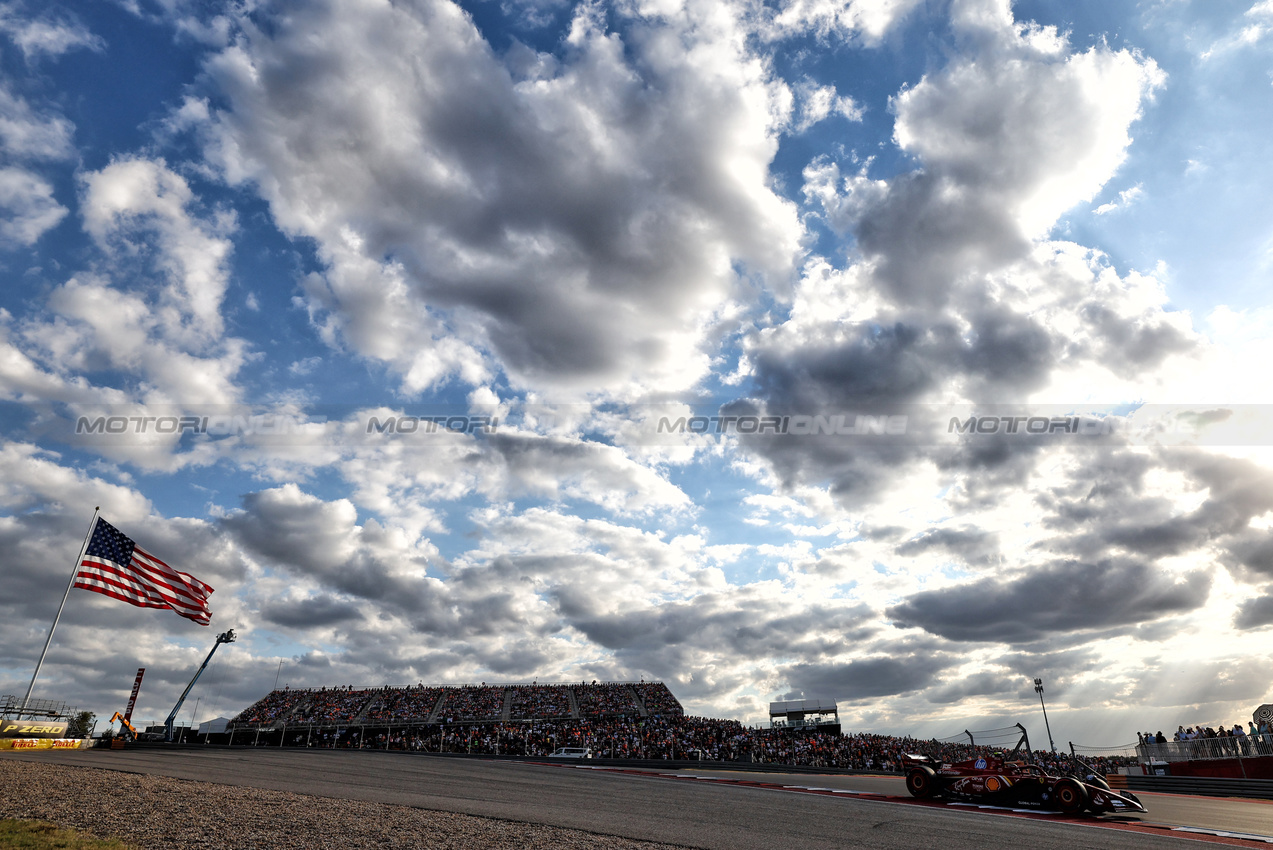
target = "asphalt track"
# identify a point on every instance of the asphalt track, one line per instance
(721, 810)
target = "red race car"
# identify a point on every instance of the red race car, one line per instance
(997, 781)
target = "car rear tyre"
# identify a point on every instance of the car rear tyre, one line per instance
(1070, 796)
(921, 781)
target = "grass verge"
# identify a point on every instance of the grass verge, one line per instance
(36, 835)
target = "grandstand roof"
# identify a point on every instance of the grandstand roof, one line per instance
(801, 706)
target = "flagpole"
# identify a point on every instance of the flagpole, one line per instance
(83, 548)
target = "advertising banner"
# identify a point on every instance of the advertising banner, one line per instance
(44, 743)
(132, 699)
(11, 728)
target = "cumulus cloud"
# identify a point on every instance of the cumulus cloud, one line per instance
(1256, 24)
(30, 133)
(498, 219)
(584, 232)
(868, 20)
(951, 294)
(1050, 599)
(1126, 198)
(28, 205)
(817, 103)
(869, 677)
(166, 332)
(47, 34)
(1010, 140)
(132, 200)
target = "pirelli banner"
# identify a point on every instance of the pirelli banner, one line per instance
(37, 735)
(10, 728)
(44, 743)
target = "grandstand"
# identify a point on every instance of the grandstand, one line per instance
(618, 720)
(326, 709)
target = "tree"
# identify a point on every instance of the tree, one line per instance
(81, 725)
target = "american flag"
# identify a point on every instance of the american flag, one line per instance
(116, 566)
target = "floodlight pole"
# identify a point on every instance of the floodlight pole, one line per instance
(1038, 689)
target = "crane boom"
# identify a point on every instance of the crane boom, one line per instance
(226, 637)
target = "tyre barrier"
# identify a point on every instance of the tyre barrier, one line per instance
(1202, 786)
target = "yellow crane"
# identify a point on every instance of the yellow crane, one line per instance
(124, 724)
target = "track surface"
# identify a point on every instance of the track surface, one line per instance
(707, 813)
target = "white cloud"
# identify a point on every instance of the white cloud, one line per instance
(133, 200)
(150, 315)
(1126, 198)
(1028, 124)
(26, 133)
(869, 20)
(45, 35)
(579, 230)
(27, 207)
(817, 103)
(1258, 24)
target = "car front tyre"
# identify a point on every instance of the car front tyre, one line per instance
(1070, 796)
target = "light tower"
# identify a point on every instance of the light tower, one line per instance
(227, 636)
(1038, 689)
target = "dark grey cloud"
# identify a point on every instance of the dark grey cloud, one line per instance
(323, 542)
(867, 678)
(736, 622)
(1055, 666)
(1257, 612)
(1059, 597)
(969, 544)
(1132, 339)
(928, 232)
(977, 685)
(316, 612)
(1103, 509)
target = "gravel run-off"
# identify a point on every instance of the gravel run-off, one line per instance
(158, 812)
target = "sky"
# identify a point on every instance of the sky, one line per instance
(896, 352)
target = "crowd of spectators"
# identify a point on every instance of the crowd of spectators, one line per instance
(605, 698)
(657, 698)
(473, 702)
(539, 701)
(331, 706)
(609, 722)
(1203, 742)
(464, 703)
(672, 736)
(321, 706)
(402, 705)
(275, 706)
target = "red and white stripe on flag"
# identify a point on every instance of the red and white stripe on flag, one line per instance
(116, 567)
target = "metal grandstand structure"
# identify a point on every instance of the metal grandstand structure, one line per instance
(11, 706)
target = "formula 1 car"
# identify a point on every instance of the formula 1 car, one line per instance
(994, 780)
